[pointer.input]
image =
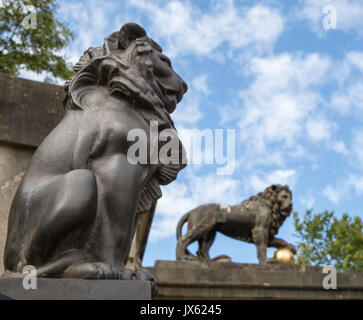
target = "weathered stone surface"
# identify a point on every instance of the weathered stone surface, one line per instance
(26, 118)
(75, 289)
(217, 280)
(29, 110)
(14, 160)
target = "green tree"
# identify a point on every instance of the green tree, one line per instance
(326, 240)
(33, 49)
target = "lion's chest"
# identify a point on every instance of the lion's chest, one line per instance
(124, 131)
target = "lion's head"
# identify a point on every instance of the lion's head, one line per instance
(132, 65)
(279, 199)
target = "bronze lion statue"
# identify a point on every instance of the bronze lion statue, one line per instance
(75, 211)
(256, 220)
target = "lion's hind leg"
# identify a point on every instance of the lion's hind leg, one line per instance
(204, 245)
(61, 214)
(195, 233)
(182, 253)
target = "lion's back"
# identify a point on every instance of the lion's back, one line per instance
(54, 155)
(204, 214)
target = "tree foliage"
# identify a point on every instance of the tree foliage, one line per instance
(32, 49)
(326, 240)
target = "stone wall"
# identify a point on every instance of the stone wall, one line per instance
(76, 289)
(13, 161)
(226, 280)
(26, 117)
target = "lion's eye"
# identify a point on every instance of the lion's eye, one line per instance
(166, 60)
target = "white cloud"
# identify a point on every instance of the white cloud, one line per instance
(89, 22)
(356, 59)
(179, 198)
(356, 181)
(186, 29)
(200, 84)
(260, 180)
(188, 112)
(352, 183)
(339, 146)
(345, 188)
(348, 98)
(43, 76)
(333, 194)
(349, 14)
(357, 148)
(281, 100)
(307, 201)
(318, 129)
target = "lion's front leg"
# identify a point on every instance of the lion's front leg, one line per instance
(102, 270)
(260, 238)
(120, 185)
(279, 243)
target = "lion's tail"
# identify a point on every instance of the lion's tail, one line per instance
(181, 222)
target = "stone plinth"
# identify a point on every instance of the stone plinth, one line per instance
(76, 289)
(218, 280)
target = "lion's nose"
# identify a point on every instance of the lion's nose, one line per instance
(185, 86)
(182, 90)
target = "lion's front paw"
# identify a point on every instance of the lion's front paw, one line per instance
(94, 270)
(138, 274)
(292, 248)
(271, 261)
(141, 274)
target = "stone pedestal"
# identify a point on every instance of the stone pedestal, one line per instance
(76, 289)
(226, 280)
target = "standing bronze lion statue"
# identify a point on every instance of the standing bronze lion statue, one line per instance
(75, 211)
(256, 220)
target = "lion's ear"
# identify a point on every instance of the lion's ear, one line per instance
(128, 33)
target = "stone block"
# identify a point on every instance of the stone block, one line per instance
(76, 289)
(226, 280)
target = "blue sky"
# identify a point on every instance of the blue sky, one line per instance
(292, 90)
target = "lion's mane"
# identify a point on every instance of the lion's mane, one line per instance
(269, 198)
(124, 66)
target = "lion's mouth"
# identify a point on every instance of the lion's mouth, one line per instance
(173, 97)
(286, 211)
